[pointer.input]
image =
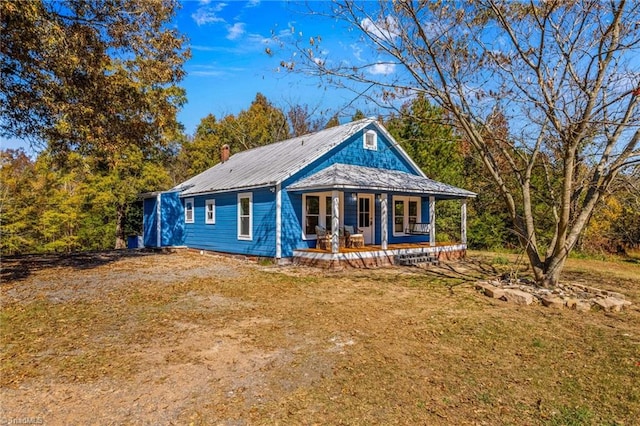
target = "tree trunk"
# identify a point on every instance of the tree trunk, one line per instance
(553, 269)
(121, 238)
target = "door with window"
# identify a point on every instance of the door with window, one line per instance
(365, 216)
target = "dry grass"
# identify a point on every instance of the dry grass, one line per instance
(182, 338)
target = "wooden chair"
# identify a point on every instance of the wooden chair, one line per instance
(323, 239)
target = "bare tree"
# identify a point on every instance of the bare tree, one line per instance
(563, 75)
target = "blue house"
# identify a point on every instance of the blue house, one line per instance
(345, 194)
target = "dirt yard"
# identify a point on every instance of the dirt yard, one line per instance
(182, 338)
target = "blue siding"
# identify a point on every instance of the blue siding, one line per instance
(172, 214)
(223, 235)
(150, 222)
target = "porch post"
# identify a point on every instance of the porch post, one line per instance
(463, 221)
(384, 221)
(432, 220)
(335, 222)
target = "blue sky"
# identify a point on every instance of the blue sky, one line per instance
(229, 63)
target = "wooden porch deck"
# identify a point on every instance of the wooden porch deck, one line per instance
(373, 256)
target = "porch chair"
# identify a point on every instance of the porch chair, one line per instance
(353, 239)
(323, 239)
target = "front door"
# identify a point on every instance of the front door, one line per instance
(365, 216)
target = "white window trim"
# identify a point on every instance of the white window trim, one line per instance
(374, 146)
(405, 225)
(323, 212)
(206, 212)
(188, 201)
(248, 237)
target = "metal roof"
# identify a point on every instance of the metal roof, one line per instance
(270, 164)
(349, 177)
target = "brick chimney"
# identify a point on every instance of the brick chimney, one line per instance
(224, 153)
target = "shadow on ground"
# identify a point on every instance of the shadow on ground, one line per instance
(14, 268)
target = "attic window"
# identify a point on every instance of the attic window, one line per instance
(371, 140)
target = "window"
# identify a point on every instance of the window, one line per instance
(245, 207)
(312, 216)
(188, 210)
(317, 211)
(371, 140)
(210, 211)
(398, 216)
(406, 212)
(413, 212)
(328, 214)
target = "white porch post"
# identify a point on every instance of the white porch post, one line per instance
(463, 222)
(432, 220)
(335, 222)
(384, 221)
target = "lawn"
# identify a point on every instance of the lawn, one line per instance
(180, 338)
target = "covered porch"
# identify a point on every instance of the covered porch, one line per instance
(392, 214)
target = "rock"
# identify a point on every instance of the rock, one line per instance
(518, 297)
(611, 304)
(613, 294)
(552, 302)
(480, 285)
(494, 292)
(583, 306)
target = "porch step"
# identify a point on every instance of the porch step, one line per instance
(412, 259)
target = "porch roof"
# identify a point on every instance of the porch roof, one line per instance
(359, 178)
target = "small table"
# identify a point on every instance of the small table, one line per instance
(356, 240)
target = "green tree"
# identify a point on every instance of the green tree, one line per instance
(333, 122)
(261, 124)
(563, 73)
(17, 207)
(94, 78)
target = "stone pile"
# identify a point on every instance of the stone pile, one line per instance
(571, 296)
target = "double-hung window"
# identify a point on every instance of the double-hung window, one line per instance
(189, 210)
(312, 214)
(210, 212)
(245, 216)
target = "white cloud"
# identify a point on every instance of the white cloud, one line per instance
(387, 28)
(208, 14)
(235, 31)
(382, 69)
(253, 3)
(357, 51)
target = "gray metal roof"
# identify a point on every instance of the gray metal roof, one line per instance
(270, 164)
(349, 177)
